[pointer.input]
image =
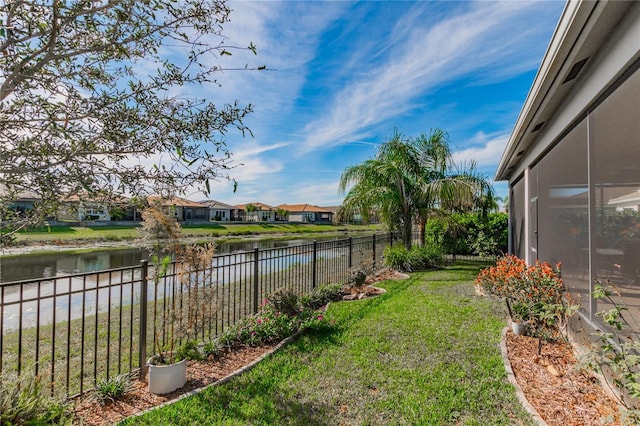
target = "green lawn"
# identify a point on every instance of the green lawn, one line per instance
(425, 353)
(116, 233)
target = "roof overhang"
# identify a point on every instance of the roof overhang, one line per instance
(583, 28)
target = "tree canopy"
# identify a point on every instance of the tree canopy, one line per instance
(407, 180)
(97, 98)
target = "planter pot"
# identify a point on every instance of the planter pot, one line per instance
(167, 378)
(519, 328)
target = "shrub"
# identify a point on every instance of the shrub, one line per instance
(416, 259)
(111, 389)
(189, 350)
(358, 274)
(23, 400)
(469, 233)
(214, 348)
(533, 294)
(320, 296)
(268, 325)
(284, 300)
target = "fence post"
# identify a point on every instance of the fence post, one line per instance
(391, 239)
(314, 281)
(256, 280)
(142, 344)
(350, 252)
(374, 250)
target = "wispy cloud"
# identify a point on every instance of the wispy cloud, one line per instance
(485, 150)
(324, 193)
(343, 74)
(423, 57)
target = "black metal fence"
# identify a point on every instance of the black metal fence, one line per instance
(74, 330)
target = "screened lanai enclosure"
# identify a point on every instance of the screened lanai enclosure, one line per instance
(573, 159)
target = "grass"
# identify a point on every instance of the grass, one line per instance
(118, 233)
(426, 352)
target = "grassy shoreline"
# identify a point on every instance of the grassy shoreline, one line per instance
(67, 233)
(78, 240)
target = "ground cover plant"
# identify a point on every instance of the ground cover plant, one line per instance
(425, 352)
(24, 400)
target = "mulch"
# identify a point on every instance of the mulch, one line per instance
(561, 391)
(199, 374)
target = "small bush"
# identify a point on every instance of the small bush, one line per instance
(111, 389)
(213, 349)
(320, 296)
(534, 294)
(284, 300)
(267, 326)
(358, 274)
(189, 350)
(416, 259)
(23, 400)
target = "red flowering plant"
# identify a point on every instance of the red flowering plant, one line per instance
(534, 294)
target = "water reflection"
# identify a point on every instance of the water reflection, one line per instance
(18, 268)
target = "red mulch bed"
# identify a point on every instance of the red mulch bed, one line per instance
(562, 392)
(199, 375)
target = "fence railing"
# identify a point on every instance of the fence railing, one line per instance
(74, 330)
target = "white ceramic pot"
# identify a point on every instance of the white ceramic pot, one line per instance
(519, 328)
(167, 378)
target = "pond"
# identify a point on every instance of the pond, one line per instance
(18, 268)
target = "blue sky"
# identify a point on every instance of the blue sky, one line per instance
(343, 75)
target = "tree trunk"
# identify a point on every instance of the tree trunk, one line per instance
(407, 233)
(422, 226)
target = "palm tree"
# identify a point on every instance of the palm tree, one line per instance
(386, 182)
(250, 208)
(406, 181)
(282, 213)
(449, 187)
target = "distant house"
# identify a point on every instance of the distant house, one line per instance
(83, 207)
(262, 213)
(181, 208)
(219, 211)
(354, 218)
(307, 213)
(24, 201)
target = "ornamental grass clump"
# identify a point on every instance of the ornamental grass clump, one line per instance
(24, 400)
(111, 389)
(534, 294)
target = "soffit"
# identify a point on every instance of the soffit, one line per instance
(583, 28)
